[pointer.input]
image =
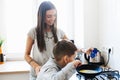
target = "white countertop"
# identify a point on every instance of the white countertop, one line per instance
(14, 66)
(74, 77)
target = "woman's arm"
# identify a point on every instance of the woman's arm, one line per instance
(27, 56)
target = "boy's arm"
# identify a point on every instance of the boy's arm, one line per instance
(54, 74)
(64, 73)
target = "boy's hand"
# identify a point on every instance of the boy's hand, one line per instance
(77, 63)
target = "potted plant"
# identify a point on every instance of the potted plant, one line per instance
(1, 42)
(1, 54)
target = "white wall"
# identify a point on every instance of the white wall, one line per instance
(109, 31)
(101, 27)
(91, 23)
(79, 23)
(2, 28)
(2, 25)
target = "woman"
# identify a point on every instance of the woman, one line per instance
(42, 38)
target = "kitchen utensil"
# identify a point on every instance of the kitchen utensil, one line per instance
(86, 68)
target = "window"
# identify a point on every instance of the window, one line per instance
(20, 17)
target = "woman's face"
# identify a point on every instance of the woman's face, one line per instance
(50, 17)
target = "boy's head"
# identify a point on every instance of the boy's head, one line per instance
(64, 51)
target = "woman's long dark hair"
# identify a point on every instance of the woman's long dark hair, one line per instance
(41, 26)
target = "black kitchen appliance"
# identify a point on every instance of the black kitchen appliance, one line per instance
(89, 71)
(101, 73)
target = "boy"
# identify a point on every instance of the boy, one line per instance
(63, 65)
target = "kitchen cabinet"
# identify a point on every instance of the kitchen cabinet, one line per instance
(14, 70)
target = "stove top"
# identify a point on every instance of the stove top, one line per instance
(107, 74)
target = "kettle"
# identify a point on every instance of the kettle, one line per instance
(94, 57)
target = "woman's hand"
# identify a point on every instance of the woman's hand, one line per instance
(37, 69)
(88, 51)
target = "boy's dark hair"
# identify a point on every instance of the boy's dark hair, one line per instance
(63, 48)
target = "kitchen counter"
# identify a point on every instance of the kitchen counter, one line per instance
(74, 77)
(14, 67)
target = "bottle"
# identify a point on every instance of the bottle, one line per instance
(4, 57)
(1, 56)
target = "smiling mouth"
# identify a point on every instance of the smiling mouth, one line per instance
(51, 23)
